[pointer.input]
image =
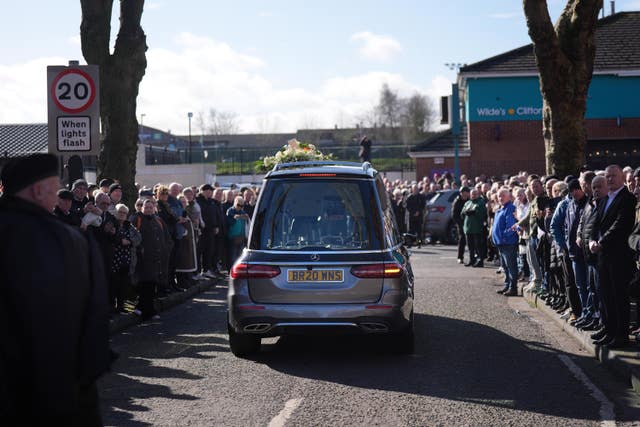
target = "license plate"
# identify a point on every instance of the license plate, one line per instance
(325, 276)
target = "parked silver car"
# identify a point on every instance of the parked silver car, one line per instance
(324, 255)
(438, 224)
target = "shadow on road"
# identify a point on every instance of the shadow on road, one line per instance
(454, 359)
(143, 349)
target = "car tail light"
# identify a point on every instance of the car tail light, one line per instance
(438, 209)
(377, 271)
(252, 271)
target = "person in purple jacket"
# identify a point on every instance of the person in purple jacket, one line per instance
(505, 239)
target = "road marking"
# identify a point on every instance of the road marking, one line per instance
(280, 419)
(607, 416)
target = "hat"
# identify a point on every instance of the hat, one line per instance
(114, 187)
(21, 172)
(106, 182)
(206, 187)
(78, 182)
(574, 184)
(465, 190)
(145, 192)
(65, 194)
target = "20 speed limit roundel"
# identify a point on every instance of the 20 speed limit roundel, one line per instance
(73, 91)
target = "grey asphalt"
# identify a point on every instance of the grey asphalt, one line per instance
(481, 359)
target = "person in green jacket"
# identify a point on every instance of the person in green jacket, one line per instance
(474, 213)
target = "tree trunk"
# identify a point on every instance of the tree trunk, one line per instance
(120, 77)
(565, 56)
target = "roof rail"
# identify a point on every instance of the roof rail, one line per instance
(281, 166)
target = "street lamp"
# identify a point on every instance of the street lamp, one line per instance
(142, 127)
(190, 114)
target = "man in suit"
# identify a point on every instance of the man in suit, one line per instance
(613, 224)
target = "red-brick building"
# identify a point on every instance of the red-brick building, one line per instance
(502, 119)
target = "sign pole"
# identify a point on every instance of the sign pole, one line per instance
(455, 129)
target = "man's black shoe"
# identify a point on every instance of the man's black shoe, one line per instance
(582, 322)
(460, 261)
(479, 264)
(469, 264)
(605, 340)
(511, 293)
(502, 291)
(592, 326)
(598, 335)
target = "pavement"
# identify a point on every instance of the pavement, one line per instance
(121, 322)
(624, 363)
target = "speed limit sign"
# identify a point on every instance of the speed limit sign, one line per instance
(73, 90)
(74, 109)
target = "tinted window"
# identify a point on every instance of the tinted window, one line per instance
(317, 214)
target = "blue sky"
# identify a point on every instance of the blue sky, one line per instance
(278, 65)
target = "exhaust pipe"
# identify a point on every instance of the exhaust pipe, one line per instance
(374, 327)
(257, 327)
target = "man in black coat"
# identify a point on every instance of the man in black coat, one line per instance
(212, 225)
(416, 205)
(54, 336)
(609, 239)
(456, 217)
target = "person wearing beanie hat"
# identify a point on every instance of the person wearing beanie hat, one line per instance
(55, 343)
(115, 196)
(105, 184)
(79, 183)
(79, 188)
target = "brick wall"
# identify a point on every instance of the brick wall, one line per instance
(508, 147)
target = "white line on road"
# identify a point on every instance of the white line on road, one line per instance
(280, 419)
(607, 416)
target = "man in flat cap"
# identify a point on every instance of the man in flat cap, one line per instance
(63, 208)
(54, 337)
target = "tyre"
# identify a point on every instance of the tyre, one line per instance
(404, 341)
(452, 234)
(243, 345)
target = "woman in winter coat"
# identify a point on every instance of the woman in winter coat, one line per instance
(126, 240)
(152, 255)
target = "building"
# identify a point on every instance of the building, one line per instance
(502, 109)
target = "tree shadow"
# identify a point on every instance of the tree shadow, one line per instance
(454, 359)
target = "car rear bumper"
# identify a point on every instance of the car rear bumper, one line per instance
(268, 320)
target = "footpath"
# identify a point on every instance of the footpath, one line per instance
(122, 322)
(624, 363)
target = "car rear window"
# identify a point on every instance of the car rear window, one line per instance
(317, 214)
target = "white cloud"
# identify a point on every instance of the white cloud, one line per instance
(23, 95)
(376, 47)
(200, 73)
(75, 40)
(152, 6)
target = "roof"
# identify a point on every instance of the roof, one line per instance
(617, 48)
(321, 168)
(443, 142)
(22, 139)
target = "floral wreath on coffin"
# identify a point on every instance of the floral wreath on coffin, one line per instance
(294, 151)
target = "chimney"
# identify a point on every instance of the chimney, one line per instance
(613, 7)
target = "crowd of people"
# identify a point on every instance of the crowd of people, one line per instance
(574, 240)
(174, 236)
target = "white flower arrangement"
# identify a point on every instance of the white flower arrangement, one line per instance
(294, 151)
